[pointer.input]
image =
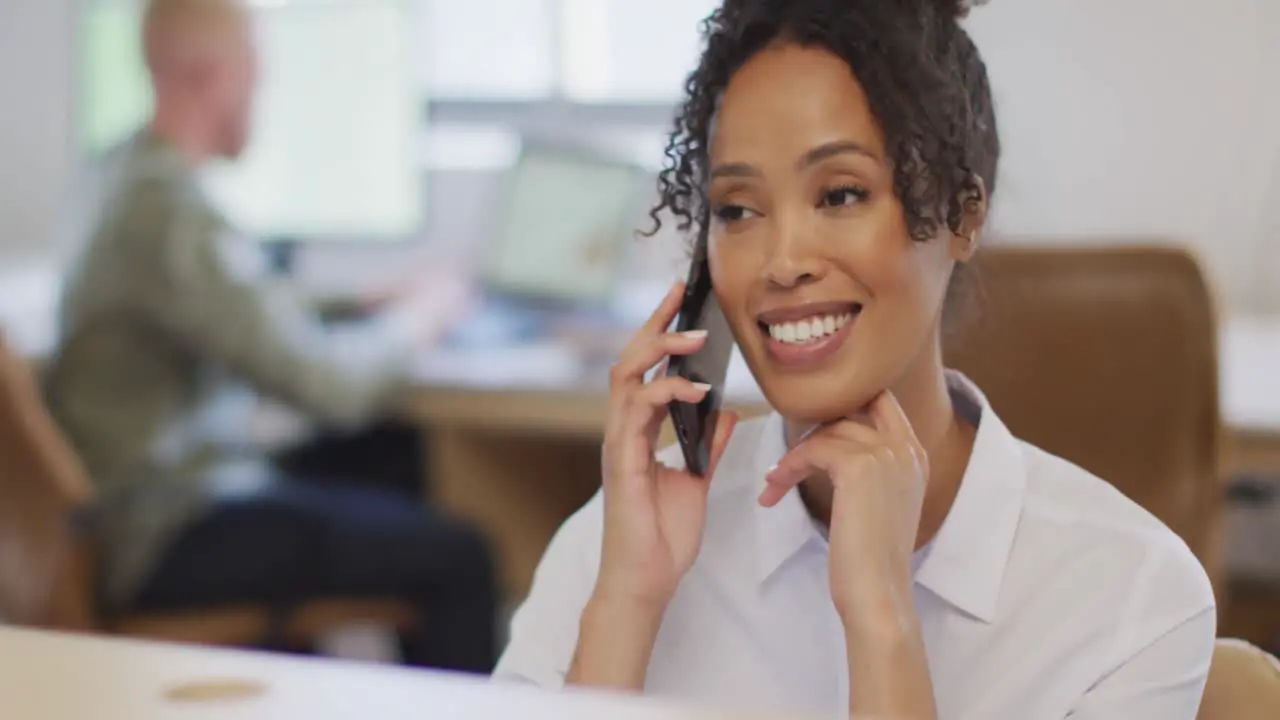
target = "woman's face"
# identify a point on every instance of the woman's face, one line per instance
(829, 298)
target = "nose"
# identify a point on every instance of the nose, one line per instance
(792, 260)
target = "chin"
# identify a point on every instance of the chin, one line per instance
(814, 397)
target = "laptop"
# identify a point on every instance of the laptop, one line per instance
(557, 241)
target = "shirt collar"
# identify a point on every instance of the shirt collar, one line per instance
(782, 530)
(964, 565)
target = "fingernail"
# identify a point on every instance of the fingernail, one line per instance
(770, 470)
(694, 334)
(704, 387)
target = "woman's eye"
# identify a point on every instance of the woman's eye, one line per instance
(732, 213)
(842, 196)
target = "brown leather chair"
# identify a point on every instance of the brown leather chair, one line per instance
(1244, 684)
(1107, 357)
(46, 567)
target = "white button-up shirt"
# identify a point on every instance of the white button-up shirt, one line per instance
(1046, 594)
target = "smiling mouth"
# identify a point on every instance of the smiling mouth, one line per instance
(811, 329)
(799, 339)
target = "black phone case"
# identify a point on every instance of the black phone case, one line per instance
(695, 423)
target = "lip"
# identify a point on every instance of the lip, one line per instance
(799, 356)
(808, 310)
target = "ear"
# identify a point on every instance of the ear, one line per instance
(966, 236)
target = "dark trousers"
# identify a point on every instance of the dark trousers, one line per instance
(388, 455)
(303, 539)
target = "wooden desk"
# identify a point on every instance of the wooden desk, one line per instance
(48, 676)
(518, 457)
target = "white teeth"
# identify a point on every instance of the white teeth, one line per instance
(810, 330)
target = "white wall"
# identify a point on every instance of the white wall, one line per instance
(35, 124)
(1267, 269)
(1140, 117)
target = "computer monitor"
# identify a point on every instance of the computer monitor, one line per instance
(335, 149)
(562, 224)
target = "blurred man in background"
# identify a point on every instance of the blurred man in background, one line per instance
(168, 313)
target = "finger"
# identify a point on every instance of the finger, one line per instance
(665, 312)
(725, 423)
(644, 353)
(639, 426)
(640, 346)
(625, 379)
(661, 391)
(890, 419)
(912, 458)
(850, 430)
(810, 456)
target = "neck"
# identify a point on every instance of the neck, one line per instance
(183, 133)
(922, 392)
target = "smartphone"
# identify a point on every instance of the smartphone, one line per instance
(695, 423)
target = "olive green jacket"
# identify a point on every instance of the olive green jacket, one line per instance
(170, 328)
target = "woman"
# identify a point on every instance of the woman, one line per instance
(881, 544)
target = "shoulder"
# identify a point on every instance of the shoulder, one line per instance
(1082, 526)
(1066, 496)
(159, 224)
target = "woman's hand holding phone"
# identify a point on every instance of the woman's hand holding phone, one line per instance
(654, 515)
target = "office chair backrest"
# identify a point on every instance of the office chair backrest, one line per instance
(41, 485)
(1108, 358)
(1244, 684)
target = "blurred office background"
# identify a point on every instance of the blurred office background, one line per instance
(1154, 118)
(387, 126)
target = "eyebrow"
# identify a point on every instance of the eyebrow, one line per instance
(809, 159)
(832, 149)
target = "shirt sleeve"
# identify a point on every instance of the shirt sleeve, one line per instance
(1164, 649)
(544, 630)
(1163, 681)
(212, 295)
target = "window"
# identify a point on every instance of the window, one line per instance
(483, 74)
(331, 71)
(487, 49)
(634, 51)
(621, 51)
(114, 95)
(605, 72)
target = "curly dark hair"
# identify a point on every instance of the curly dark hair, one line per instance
(924, 79)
